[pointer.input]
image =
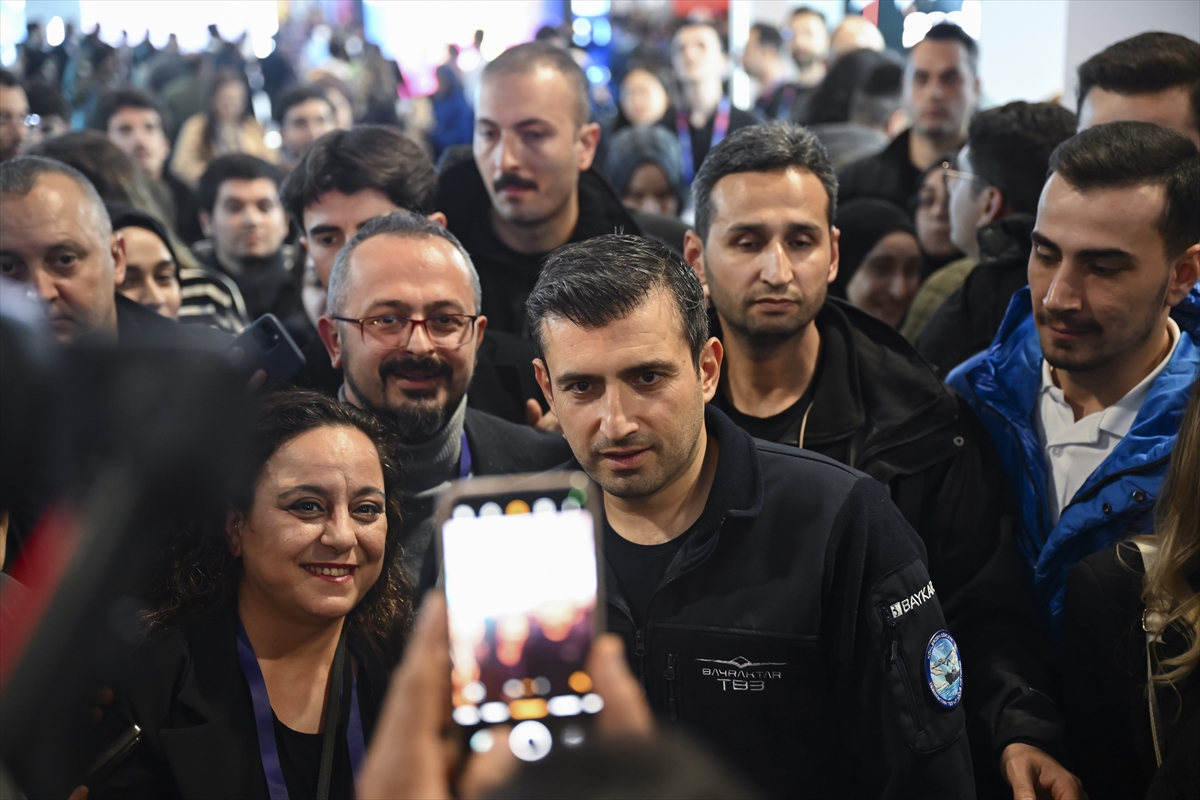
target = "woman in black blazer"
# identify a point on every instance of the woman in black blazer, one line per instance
(274, 629)
(1126, 741)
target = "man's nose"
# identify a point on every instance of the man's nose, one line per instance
(1064, 293)
(419, 342)
(615, 421)
(506, 154)
(776, 266)
(45, 285)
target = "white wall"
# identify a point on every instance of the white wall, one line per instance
(1021, 49)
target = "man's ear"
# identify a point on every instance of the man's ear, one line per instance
(233, 531)
(693, 254)
(835, 238)
(205, 223)
(543, 378)
(328, 329)
(1184, 274)
(117, 246)
(437, 217)
(589, 140)
(480, 327)
(710, 367)
(994, 206)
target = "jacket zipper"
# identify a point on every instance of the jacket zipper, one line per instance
(639, 649)
(672, 703)
(893, 657)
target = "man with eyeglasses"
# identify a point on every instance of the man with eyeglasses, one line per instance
(14, 108)
(402, 323)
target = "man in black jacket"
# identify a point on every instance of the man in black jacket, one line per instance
(403, 325)
(530, 187)
(772, 601)
(806, 371)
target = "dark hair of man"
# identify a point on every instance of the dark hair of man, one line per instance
(700, 23)
(598, 281)
(9, 80)
(1122, 154)
(832, 100)
(113, 174)
(1011, 147)
(771, 147)
(295, 95)
(126, 97)
(1144, 64)
(810, 10)
(18, 175)
(949, 32)
(531, 55)
(202, 574)
(47, 101)
(402, 225)
(364, 157)
(879, 96)
(768, 36)
(237, 166)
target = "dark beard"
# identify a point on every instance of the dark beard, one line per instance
(420, 418)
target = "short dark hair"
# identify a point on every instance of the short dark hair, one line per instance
(601, 280)
(47, 101)
(810, 10)
(768, 35)
(770, 147)
(1120, 154)
(949, 32)
(295, 95)
(1011, 147)
(527, 57)
(126, 97)
(9, 80)
(879, 96)
(18, 175)
(237, 166)
(365, 157)
(700, 23)
(1143, 64)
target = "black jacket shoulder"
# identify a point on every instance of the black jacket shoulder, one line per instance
(888, 175)
(500, 447)
(138, 326)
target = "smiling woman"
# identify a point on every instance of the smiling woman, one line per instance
(277, 619)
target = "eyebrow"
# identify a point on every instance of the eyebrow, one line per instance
(309, 488)
(656, 365)
(1092, 253)
(520, 124)
(760, 228)
(317, 230)
(1042, 241)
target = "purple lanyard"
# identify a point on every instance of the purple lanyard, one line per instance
(263, 719)
(682, 127)
(464, 460)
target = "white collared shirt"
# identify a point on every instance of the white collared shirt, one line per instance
(1073, 450)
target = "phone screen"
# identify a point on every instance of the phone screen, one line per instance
(521, 581)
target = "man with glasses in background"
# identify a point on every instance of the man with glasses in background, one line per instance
(14, 108)
(402, 323)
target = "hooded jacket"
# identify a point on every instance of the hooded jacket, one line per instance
(1002, 384)
(791, 632)
(506, 276)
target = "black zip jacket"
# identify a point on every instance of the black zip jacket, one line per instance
(506, 276)
(879, 408)
(790, 632)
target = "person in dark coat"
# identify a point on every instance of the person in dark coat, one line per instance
(267, 615)
(805, 370)
(1129, 619)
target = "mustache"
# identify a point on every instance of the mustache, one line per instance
(632, 443)
(408, 367)
(507, 181)
(1046, 318)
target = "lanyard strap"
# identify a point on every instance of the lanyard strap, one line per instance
(264, 720)
(464, 459)
(683, 128)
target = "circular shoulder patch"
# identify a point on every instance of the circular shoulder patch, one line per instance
(943, 668)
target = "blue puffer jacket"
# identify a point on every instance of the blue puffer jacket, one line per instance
(1001, 384)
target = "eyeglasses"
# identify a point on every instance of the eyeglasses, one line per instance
(952, 176)
(393, 331)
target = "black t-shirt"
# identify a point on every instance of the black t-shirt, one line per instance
(702, 138)
(782, 428)
(300, 760)
(639, 567)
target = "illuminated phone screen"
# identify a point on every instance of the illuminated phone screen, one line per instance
(521, 590)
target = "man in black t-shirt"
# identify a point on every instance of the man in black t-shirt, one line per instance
(819, 374)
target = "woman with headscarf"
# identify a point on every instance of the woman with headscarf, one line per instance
(879, 264)
(645, 168)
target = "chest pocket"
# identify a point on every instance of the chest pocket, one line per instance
(922, 668)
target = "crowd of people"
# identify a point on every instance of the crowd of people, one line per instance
(891, 401)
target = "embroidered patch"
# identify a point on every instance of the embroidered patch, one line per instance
(943, 668)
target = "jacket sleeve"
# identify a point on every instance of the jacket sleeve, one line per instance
(898, 671)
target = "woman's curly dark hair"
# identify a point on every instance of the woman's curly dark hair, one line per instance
(201, 574)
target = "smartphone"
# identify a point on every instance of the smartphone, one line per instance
(267, 345)
(520, 564)
(112, 758)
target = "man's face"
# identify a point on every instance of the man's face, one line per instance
(810, 40)
(139, 133)
(968, 203)
(1100, 280)
(940, 91)
(696, 54)
(1171, 108)
(753, 56)
(54, 240)
(14, 108)
(770, 253)
(416, 382)
(304, 123)
(333, 220)
(628, 395)
(247, 221)
(528, 147)
(151, 278)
